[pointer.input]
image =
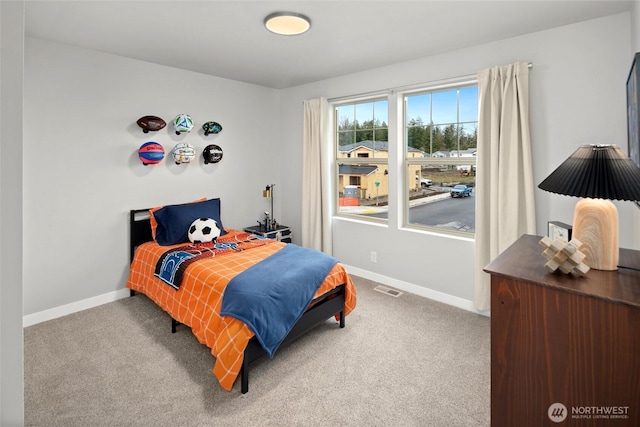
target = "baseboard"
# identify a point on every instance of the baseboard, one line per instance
(54, 313)
(85, 304)
(417, 290)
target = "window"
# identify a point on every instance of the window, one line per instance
(362, 152)
(437, 146)
(440, 134)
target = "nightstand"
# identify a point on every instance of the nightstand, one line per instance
(281, 234)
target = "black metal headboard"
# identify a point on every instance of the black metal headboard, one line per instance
(139, 229)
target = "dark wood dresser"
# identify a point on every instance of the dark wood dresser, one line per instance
(565, 350)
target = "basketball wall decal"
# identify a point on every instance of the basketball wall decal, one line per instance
(151, 153)
(212, 154)
(183, 153)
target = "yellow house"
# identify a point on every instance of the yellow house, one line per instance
(371, 180)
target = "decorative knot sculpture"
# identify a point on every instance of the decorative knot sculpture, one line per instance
(564, 256)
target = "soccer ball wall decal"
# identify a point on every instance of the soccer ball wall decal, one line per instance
(203, 230)
(183, 123)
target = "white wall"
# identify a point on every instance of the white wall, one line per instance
(577, 89)
(82, 174)
(11, 120)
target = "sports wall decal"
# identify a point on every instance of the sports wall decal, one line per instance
(183, 153)
(212, 154)
(152, 123)
(152, 152)
(211, 127)
(183, 123)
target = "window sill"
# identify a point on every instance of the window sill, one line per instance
(351, 218)
(450, 234)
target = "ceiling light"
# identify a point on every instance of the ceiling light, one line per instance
(287, 23)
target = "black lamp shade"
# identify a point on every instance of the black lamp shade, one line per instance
(597, 172)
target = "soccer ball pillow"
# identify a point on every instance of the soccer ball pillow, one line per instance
(203, 230)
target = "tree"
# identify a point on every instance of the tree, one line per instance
(449, 137)
(371, 130)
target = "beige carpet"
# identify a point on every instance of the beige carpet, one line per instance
(404, 361)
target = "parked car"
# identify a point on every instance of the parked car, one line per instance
(461, 190)
(424, 182)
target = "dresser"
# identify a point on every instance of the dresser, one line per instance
(565, 350)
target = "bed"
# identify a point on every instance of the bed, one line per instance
(199, 301)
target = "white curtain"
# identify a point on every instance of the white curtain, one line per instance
(316, 182)
(505, 206)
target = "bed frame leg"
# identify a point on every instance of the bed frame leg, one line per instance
(132, 292)
(244, 375)
(342, 319)
(174, 325)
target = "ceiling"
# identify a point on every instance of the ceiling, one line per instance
(228, 38)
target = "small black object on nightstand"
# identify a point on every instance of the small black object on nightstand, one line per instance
(282, 233)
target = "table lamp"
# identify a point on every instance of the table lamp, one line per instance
(268, 193)
(597, 173)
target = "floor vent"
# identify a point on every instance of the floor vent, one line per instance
(388, 291)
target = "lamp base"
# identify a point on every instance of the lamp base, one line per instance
(595, 224)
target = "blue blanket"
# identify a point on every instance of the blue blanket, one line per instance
(272, 295)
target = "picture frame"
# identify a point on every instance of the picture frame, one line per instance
(559, 230)
(633, 105)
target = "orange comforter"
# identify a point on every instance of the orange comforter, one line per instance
(197, 302)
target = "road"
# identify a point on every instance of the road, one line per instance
(455, 213)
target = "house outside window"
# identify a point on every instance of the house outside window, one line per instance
(362, 153)
(442, 125)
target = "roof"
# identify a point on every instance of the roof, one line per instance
(454, 153)
(356, 169)
(371, 145)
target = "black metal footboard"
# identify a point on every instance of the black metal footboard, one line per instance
(321, 309)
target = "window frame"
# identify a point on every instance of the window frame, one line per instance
(397, 164)
(380, 162)
(408, 162)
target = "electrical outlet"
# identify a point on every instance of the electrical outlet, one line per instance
(374, 256)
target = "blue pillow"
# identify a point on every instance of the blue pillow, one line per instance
(174, 220)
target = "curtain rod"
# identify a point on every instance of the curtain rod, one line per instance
(443, 82)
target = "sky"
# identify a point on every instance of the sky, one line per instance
(438, 107)
(441, 107)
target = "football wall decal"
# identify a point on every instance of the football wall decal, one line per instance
(153, 123)
(211, 127)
